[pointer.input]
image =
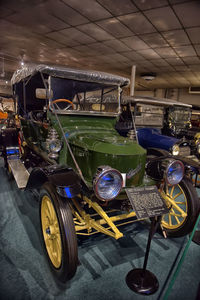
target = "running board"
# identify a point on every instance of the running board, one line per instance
(19, 172)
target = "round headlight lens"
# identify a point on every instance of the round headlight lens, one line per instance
(175, 150)
(107, 183)
(174, 172)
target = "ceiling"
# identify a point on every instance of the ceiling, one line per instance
(161, 36)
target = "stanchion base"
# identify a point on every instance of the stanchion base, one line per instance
(142, 282)
(196, 237)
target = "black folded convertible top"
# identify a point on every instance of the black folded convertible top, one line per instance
(69, 73)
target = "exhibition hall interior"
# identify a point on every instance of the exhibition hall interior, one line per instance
(100, 149)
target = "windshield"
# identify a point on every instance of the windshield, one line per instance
(77, 97)
(98, 101)
(149, 115)
(179, 115)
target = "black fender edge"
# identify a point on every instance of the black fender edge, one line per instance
(66, 181)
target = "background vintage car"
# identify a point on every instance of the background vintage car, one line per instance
(68, 149)
(178, 122)
(162, 125)
(195, 118)
(195, 121)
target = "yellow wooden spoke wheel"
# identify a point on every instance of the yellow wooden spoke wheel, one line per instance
(51, 231)
(183, 203)
(177, 203)
(58, 233)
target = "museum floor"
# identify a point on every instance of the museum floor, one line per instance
(24, 273)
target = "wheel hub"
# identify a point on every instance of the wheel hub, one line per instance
(48, 231)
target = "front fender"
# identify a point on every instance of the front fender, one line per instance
(157, 152)
(190, 164)
(66, 181)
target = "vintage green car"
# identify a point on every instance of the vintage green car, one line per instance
(66, 147)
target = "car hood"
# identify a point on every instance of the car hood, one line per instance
(96, 147)
(104, 141)
(152, 138)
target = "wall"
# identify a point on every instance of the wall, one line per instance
(5, 89)
(185, 97)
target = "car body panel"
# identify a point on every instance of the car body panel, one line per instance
(153, 138)
(96, 142)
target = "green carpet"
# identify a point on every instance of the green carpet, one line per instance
(105, 262)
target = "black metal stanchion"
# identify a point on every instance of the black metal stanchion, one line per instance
(143, 281)
(196, 237)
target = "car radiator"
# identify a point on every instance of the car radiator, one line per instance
(184, 151)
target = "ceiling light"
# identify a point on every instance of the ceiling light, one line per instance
(148, 76)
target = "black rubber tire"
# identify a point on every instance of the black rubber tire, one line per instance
(69, 260)
(193, 204)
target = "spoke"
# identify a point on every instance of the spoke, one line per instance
(56, 228)
(48, 205)
(172, 190)
(47, 212)
(180, 202)
(52, 212)
(54, 248)
(183, 214)
(45, 222)
(58, 246)
(170, 219)
(176, 216)
(177, 195)
(48, 242)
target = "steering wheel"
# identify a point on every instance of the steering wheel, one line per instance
(63, 100)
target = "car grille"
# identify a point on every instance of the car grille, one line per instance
(184, 151)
